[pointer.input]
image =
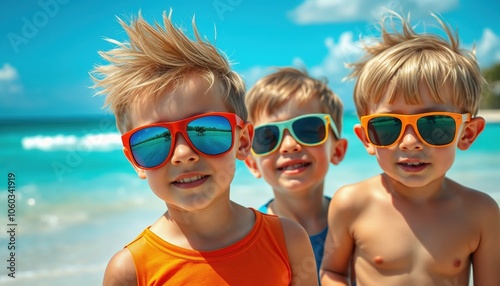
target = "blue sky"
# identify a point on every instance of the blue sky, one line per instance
(47, 47)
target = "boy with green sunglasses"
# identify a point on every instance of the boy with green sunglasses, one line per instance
(182, 114)
(297, 121)
(417, 96)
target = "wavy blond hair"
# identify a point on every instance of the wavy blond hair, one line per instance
(400, 60)
(159, 58)
(276, 89)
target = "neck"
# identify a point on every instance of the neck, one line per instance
(309, 210)
(208, 229)
(432, 191)
(207, 222)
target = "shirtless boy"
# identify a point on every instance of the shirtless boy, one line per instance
(417, 97)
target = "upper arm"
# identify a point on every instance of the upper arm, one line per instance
(300, 253)
(339, 244)
(120, 270)
(486, 258)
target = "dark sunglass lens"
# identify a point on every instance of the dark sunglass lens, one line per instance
(151, 146)
(211, 135)
(384, 131)
(309, 130)
(265, 139)
(437, 129)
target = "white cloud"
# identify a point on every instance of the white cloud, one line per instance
(253, 74)
(346, 50)
(9, 81)
(332, 67)
(10, 88)
(334, 11)
(488, 48)
(8, 73)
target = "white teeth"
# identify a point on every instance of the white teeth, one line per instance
(293, 167)
(189, 180)
(413, 163)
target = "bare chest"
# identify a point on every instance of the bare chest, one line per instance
(432, 243)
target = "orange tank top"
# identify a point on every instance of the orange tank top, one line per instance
(260, 258)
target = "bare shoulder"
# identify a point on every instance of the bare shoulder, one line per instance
(483, 213)
(475, 201)
(480, 207)
(120, 269)
(294, 232)
(357, 195)
(300, 253)
(485, 200)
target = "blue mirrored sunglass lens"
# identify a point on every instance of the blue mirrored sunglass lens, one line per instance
(211, 135)
(151, 146)
(309, 130)
(265, 139)
(437, 129)
(384, 131)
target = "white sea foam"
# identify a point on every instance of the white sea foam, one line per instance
(30, 277)
(88, 142)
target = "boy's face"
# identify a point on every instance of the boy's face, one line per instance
(410, 161)
(190, 180)
(295, 168)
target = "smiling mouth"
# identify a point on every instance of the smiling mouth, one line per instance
(412, 164)
(294, 166)
(189, 180)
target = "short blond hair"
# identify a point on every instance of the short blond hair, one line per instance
(399, 61)
(276, 89)
(159, 58)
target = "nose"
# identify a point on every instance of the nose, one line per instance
(182, 152)
(410, 140)
(289, 144)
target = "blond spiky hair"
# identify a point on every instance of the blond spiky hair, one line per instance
(400, 60)
(158, 58)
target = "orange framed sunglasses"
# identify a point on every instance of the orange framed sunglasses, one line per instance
(436, 129)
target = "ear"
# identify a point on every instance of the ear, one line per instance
(244, 142)
(470, 132)
(339, 150)
(360, 132)
(140, 172)
(251, 164)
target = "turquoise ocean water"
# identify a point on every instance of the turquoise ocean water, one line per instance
(78, 200)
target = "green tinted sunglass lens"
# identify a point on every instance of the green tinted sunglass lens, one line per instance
(437, 129)
(384, 131)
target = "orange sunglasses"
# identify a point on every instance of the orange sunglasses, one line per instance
(436, 129)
